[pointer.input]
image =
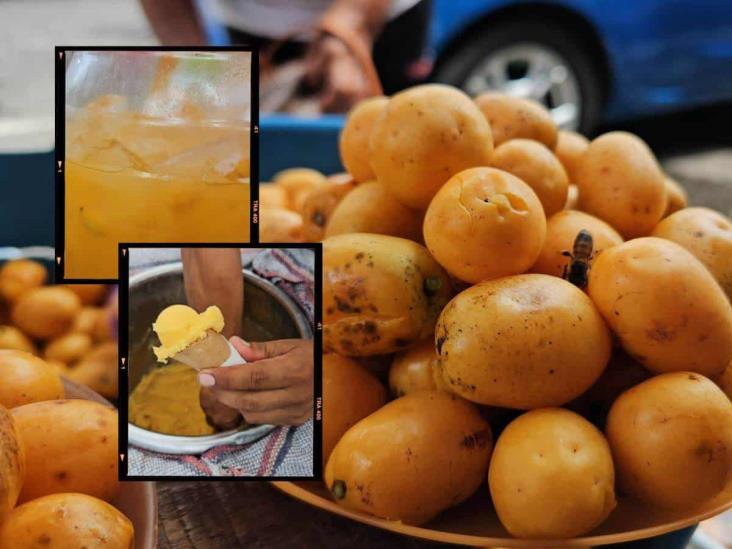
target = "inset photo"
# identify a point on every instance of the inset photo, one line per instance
(155, 147)
(219, 374)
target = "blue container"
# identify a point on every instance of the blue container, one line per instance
(287, 141)
(26, 203)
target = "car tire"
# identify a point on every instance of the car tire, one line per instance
(570, 46)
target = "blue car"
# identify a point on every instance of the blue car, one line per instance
(588, 61)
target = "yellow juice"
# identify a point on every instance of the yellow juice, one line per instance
(132, 179)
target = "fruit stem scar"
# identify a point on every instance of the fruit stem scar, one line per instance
(339, 489)
(431, 285)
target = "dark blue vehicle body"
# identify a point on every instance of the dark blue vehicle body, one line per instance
(661, 55)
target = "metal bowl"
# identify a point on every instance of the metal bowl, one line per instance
(137, 500)
(268, 314)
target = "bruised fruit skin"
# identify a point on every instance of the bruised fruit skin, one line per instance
(350, 393)
(415, 369)
(369, 208)
(524, 342)
(381, 294)
(536, 166)
(425, 135)
(319, 205)
(552, 475)
(484, 223)
(12, 464)
(708, 235)
(666, 308)
(64, 521)
(411, 459)
(561, 231)
(671, 438)
(513, 117)
(353, 143)
(620, 182)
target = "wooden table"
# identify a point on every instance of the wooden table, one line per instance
(231, 514)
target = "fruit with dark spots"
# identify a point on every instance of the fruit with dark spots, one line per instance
(318, 206)
(411, 457)
(671, 438)
(27, 378)
(67, 520)
(478, 439)
(664, 305)
(385, 304)
(431, 285)
(498, 354)
(78, 439)
(440, 341)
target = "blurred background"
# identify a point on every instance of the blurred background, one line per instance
(660, 68)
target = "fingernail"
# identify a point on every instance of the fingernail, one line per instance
(206, 380)
(240, 340)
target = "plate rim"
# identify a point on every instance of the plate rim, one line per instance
(292, 489)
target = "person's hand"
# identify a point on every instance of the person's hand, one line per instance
(332, 67)
(274, 387)
(219, 415)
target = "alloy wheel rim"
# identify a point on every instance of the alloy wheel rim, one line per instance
(531, 71)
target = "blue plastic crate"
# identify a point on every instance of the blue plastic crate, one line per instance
(26, 199)
(292, 142)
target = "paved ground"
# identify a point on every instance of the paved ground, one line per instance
(30, 30)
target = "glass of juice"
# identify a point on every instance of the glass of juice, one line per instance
(157, 150)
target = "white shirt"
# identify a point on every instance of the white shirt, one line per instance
(279, 18)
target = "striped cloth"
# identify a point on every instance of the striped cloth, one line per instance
(286, 451)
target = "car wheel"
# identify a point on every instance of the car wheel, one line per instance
(534, 60)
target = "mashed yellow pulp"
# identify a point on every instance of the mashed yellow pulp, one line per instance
(179, 326)
(167, 401)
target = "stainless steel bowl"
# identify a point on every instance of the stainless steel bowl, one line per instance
(268, 314)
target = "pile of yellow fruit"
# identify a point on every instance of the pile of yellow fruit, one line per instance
(67, 326)
(58, 463)
(532, 283)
